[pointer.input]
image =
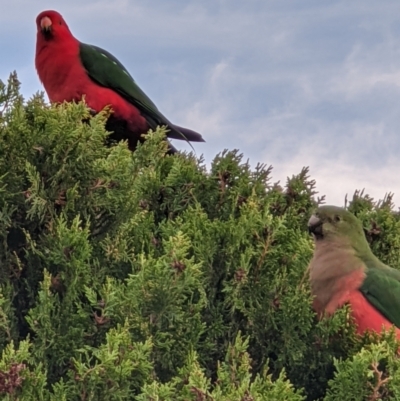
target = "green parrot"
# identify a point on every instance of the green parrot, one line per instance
(344, 270)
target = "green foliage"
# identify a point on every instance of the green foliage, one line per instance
(151, 277)
(371, 374)
(234, 381)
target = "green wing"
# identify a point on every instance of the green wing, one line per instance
(107, 71)
(382, 289)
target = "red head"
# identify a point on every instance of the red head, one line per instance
(51, 27)
(56, 51)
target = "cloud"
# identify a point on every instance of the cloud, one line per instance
(288, 83)
(337, 178)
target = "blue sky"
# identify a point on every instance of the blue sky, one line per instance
(289, 83)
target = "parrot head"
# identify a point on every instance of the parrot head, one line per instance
(51, 25)
(336, 223)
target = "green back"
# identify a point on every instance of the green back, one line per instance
(107, 71)
(382, 289)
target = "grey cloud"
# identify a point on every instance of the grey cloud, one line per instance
(289, 83)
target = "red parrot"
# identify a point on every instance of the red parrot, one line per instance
(344, 270)
(70, 69)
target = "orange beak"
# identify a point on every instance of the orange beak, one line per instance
(45, 24)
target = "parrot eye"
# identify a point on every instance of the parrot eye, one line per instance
(337, 218)
(60, 22)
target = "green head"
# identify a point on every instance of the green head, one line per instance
(332, 223)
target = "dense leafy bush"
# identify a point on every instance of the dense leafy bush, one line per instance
(150, 277)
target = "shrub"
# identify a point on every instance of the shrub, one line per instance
(152, 277)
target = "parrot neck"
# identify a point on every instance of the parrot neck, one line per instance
(331, 264)
(371, 260)
(56, 62)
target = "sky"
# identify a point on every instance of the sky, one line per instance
(288, 83)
